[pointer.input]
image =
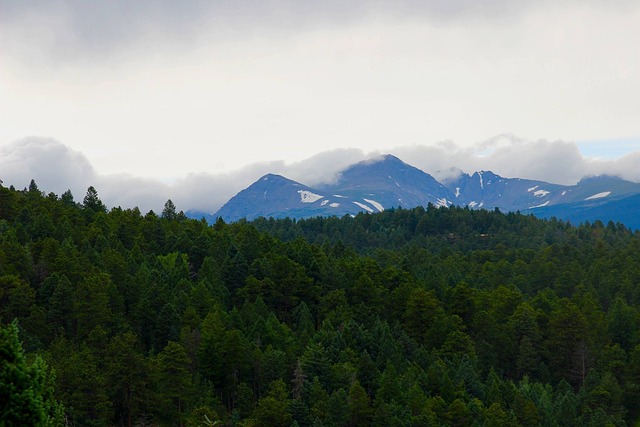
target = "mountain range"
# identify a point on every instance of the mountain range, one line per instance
(388, 182)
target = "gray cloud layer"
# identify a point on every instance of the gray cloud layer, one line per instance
(71, 30)
(238, 81)
(56, 168)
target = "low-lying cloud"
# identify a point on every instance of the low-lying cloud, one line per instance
(55, 167)
(559, 162)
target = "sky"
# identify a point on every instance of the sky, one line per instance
(194, 100)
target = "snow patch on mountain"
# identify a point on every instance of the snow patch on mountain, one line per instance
(539, 206)
(334, 205)
(365, 207)
(540, 193)
(308, 196)
(599, 195)
(457, 192)
(532, 188)
(375, 204)
(324, 202)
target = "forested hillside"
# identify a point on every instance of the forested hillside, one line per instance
(428, 316)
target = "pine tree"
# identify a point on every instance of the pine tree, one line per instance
(338, 408)
(272, 410)
(67, 198)
(92, 202)
(26, 391)
(174, 382)
(127, 373)
(169, 211)
(33, 189)
(360, 411)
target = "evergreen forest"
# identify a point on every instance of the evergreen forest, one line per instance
(408, 317)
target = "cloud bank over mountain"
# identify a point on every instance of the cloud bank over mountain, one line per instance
(56, 168)
(559, 162)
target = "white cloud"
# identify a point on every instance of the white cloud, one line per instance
(54, 166)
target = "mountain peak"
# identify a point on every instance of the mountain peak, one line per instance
(391, 183)
(273, 176)
(386, 163)
(486, 174)
(384, 160)
(272, 179)
(390, 158)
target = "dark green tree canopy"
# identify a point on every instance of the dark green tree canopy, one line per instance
(426, 316)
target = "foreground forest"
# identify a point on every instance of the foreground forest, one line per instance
(420, 317)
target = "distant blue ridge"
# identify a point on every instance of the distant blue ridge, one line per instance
(388, 182)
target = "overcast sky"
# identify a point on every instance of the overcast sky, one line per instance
(193, 100)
